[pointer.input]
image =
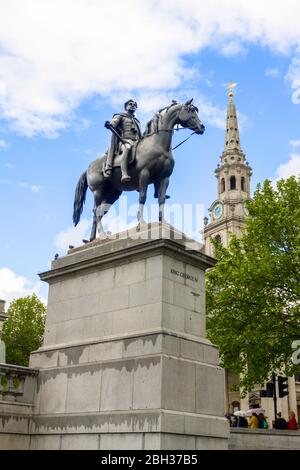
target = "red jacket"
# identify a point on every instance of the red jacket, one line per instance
(292, 424)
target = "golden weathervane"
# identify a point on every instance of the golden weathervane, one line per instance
(231, 86)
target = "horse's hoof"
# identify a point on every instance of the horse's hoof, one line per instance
(103, 236)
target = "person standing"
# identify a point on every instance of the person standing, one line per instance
(292, 423)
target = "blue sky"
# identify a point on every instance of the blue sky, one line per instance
(67, 66)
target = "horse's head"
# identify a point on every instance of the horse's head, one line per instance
(188, 117)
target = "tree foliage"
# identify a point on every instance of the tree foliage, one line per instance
(24, 328)
(253, 291)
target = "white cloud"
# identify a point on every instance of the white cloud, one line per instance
(272, 72)
(295, 143)
(232, 48)
(34, 188)
(3, 144)
(293, 76)
(10, 166)
(73, 235)
(13, 286)
(291, 168)
(55, 53)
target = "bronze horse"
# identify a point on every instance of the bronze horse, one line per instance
(154, 163)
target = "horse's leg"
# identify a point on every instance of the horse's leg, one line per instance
(108, 200)
(97, 202)
(143, 186)
(94, 226)
(164, 183)
(156, 190)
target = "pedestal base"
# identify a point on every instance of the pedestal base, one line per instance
(125, 363)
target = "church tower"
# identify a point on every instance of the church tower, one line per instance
(228, 211)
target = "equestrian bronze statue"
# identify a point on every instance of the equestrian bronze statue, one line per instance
(150, 162)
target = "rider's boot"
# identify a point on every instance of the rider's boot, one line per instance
(125, 177)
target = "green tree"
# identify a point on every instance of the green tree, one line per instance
(24, 328)
(253, 291)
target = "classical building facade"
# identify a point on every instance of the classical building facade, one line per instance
(227, 216)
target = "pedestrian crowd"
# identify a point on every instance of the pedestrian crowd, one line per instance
(259, 421)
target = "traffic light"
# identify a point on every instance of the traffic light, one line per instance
(268, 393)
(270, 389)
(282, 386)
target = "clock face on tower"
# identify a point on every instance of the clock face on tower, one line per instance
(217, 211)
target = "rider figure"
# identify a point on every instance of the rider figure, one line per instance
(128, 127)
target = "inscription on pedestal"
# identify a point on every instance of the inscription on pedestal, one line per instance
(184, 275)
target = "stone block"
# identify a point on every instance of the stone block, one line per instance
(152, 441)
(85, 305)
(211, 443)
(194, 323)
(73, 355)
(108, 350)
(114, 299)
(122, 441)
(147, 422)
(44, 359)
(145, 293)
(141, 346)
(178, 385)
(69, 331)
(52, 388)
(98, 326)
(98, 281)
(154, 267)
(147, 383)
(117, 386)
(83, 391)
(134, 319)
(172, 423)
(14, 442)
(173, 317)
(130, 273)
(171, 345)
(197, 424)
(187, 297)
(209, 390)
(211, 355)
(192, 350)
(13, 424)
(45, 442)
(80, 442)
(168, 291)
(59, 311)
(177, 442)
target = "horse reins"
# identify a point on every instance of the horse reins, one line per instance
(172, 130)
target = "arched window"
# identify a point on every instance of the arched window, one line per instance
(222, 185)
(232, 182)
(243, 183)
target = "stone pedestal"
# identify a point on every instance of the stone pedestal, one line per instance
(125, 363)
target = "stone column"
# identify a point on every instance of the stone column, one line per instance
(125, 363)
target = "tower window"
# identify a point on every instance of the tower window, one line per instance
(232, 182)
(243, 183)
(222, 185)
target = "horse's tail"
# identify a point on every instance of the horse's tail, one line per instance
(80, 193)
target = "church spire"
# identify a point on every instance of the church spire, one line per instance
(232, 136)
